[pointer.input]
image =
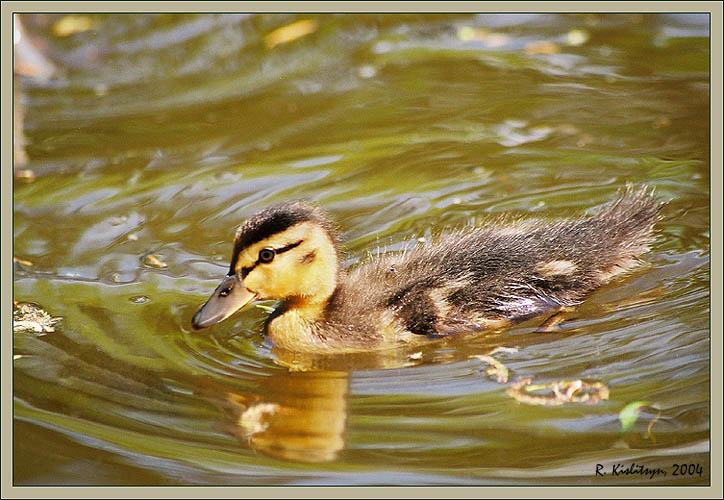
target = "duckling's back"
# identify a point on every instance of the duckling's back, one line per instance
(503, 272)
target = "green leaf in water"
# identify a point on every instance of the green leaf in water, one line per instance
(630, 414)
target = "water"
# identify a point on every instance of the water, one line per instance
(159, 134)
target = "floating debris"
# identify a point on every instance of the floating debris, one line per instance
(497, 369)
(70, 25)
(649, 435)
(468, 33)
(577, 37)
(139, 299)
(562, 392)
(25, 175)
(488, 38)
(290, 32)
(30, 317)
(154, 261)
(22, 261)
(542, 47)
(415, 355)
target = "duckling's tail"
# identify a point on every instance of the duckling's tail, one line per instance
(634, 212)
(626, 225)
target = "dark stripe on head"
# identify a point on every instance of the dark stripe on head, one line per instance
(286, 248)
(274, 220)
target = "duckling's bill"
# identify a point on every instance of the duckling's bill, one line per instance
(230, 296)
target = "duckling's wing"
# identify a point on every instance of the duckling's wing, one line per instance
(445, 304)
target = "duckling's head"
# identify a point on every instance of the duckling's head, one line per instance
(287, 252)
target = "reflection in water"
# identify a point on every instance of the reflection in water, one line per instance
(299, 416)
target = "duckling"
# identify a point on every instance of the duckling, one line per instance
(470, 280)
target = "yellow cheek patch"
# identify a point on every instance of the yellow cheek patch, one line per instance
(557, 267)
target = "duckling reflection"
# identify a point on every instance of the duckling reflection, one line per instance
(301, 413)
(300, 417)
(471, 280)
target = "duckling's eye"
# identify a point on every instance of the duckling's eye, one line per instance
(266, 255)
